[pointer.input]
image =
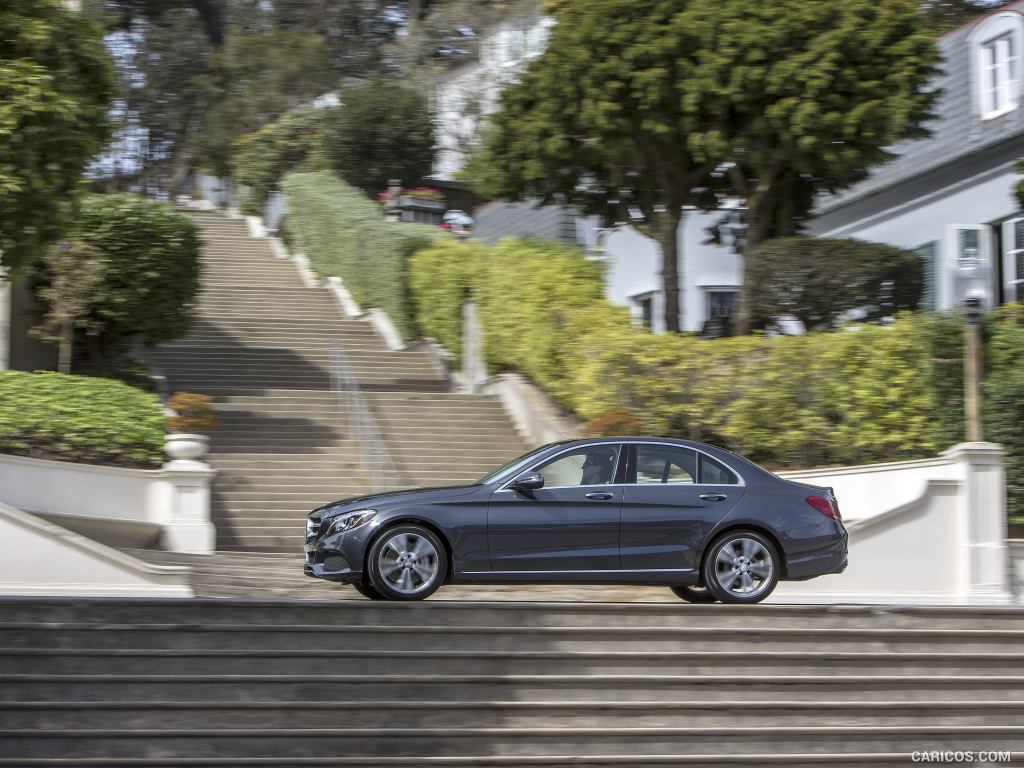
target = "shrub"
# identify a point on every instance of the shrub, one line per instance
(150, 274)
(383, 131)
(344, 234)
(614, 422)
(264, 157)
(441, 279)
(818, 279)
(79, 418)
(1004, 399)
(193, 413)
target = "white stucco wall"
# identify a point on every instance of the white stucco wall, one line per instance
(929, 219)
(634, 267)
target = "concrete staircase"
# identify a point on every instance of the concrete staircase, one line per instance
(190, 683)
(262, 346)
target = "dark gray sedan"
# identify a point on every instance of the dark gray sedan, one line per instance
(699, 519)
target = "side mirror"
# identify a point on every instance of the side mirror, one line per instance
(528, 483)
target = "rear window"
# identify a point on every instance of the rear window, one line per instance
(713, 472)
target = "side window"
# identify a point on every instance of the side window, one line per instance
(657, 464)
(715, 473)
(594, 465)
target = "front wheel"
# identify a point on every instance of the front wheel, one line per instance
(741, 567)
(367, 591)
(407, 562)
(696, 593)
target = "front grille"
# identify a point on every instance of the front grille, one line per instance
(335, 563)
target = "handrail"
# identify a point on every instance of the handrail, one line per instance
(374, 457)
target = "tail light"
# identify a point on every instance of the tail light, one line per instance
(827, 507)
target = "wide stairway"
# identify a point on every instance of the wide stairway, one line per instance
(204, 683)
(264, 346)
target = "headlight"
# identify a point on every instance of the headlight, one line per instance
(350, 520)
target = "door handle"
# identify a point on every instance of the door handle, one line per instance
(599, 496)
(713, 496)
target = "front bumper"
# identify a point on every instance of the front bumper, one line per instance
(337, 557)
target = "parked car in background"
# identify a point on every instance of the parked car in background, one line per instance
(697, 518)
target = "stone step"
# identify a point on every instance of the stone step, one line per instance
(161, 715)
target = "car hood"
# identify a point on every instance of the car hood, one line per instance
(442, 493)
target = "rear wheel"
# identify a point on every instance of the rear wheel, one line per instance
(407, 562)
(741, 567)
(695, 593)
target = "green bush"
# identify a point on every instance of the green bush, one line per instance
(818, 279)
(866, 394)
(79, 418)
(345, 235)
(382, 131)
(264, 157)
(150, 276)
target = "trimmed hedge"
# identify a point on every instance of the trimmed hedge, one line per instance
(874, 393)
(344, 235)
(80, 418)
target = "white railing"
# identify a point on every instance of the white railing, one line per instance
(374, 457)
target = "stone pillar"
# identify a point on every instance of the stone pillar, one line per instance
(983, 528)
(474, 368)
(186, 525)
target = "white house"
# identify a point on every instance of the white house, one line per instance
(950, 196)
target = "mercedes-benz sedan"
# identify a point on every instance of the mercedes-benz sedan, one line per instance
(699, 519)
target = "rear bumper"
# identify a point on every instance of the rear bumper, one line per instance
(830, 559)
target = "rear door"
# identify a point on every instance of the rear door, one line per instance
(672, 499)
(571, 524)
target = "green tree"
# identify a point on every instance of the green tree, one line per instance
(600, 121)
(150, 275)
(805, 98)
(383, 131)
(818, 279)
(73, 274)
(55, 88)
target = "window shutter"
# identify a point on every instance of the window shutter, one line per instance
(930, 269)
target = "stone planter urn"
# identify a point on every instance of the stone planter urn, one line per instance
(182, 446)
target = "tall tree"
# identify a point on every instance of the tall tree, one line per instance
(599, 121)
(803, 98)
(383, 131)
(55, 88)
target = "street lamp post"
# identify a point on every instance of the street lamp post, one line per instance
(972, 370)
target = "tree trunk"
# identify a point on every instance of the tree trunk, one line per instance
(67, 335)
(757, 229)
(667, 235)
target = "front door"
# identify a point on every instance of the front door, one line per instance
(571, 524)
(672, 498)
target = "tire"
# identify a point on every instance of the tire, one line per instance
(695, 593)
(407, 562)
(741, 567)
(364, 589)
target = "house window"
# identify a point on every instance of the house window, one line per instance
(930, 269)
(968, 254)
(998, 81)
(645, 304)
(721, 304)
(1013, 259)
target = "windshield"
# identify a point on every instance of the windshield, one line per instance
(526, 458)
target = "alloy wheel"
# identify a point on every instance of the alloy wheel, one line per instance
(408, 562)
(744, 569)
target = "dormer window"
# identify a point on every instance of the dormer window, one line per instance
(997, 77)
(998, 45)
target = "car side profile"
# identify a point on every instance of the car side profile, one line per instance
(699, 519)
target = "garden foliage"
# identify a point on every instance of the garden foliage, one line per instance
(150, 276)
(344, 234)
(264, 157)
(79, 418)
